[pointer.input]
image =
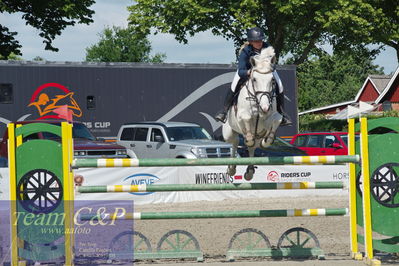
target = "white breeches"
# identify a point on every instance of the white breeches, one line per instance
(278, 81)
(235, 81)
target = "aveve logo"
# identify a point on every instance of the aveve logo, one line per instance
(49, 97)
(139, 179)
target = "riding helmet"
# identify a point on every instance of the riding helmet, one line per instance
(255, 34)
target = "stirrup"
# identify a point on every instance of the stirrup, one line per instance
(222, 116)
(285, 121)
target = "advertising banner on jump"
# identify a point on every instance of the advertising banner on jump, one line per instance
(201, 175)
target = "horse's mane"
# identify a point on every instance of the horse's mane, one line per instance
(264, 61)
(268, 52)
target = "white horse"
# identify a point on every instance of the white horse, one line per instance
(254, 116)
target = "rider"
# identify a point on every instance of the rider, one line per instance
(255, 37)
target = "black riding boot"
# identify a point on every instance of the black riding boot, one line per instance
(280, 108)
(228, 101)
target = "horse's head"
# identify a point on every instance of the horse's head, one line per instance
(262, 77)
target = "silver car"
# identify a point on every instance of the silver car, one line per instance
(171, 140)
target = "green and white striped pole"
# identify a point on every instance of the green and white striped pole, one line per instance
(209, 187)
(215, 214)
(329, 159)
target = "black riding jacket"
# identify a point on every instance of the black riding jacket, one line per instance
(243, 59)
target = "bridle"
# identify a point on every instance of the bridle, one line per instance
(254, 97)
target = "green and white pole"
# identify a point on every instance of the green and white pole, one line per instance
(214, 214)
(209, 187)
(329, 159)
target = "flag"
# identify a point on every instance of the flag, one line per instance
(64, 113)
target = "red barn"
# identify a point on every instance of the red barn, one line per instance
(381, 91)
(389, 98)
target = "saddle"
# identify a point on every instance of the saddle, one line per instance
(237, 90)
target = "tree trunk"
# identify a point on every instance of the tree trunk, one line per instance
(309, 47)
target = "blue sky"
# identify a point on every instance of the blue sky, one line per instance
(202, 48)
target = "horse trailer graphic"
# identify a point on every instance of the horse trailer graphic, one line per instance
(106, 95)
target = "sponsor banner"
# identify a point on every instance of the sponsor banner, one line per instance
(203, 175)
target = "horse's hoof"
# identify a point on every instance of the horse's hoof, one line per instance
(231, 171)
(248, 176)
(250, 143)
(266, 143)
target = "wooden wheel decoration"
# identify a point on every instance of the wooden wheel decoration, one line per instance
(39, 191)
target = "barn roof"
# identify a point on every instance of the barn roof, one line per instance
(326, 107)
(379, 83)
(388, 87)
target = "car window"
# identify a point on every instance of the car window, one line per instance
(128, 133)
(314, 141)
(181, 133)
(329, 140)
(154, 133)
(345, 138)
(300, 140)
(280, 143)
(141, 134)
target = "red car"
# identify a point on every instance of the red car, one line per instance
(322, 143)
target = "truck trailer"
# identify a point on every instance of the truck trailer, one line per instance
(105, 96)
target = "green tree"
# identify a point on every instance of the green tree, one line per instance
(122, 45)
(49, 17)
(365, 21)
(296, 27)
(38, 58)
(11, 56)
(331, 79)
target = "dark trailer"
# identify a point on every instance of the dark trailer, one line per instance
(106, 95)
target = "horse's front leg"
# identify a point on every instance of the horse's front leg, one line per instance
(231, 137)
(231, 169)
(249, 173)
(247, 130)
(270, 137)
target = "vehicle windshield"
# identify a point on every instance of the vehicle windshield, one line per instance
(182, 133)
(79, 131)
